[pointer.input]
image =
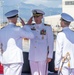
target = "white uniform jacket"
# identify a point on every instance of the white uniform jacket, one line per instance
(64, 44)
(11, 39)
(38, 46)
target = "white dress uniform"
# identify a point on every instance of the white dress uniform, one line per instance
(65, 49)
(11, 39)
(38, 47)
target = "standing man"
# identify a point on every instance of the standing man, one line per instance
(39, 54)
(64, 55)
(11, 44)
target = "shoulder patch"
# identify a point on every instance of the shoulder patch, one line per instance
(47, 24)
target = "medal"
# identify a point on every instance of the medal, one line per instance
(42, 36)
(43, 32)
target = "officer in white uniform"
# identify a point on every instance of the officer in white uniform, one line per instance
(11, 44)
(39, 54)
(64, 56)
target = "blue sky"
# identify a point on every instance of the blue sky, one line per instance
(7, 5)
(48, 3)
(17, 3)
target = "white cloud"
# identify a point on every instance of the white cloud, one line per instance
(48, 3)
(36, 2)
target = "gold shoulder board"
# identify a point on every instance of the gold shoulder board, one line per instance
(47, 24)
(33, 24)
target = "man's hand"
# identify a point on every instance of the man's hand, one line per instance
(49, 60)
(26, 39)
(22, 21)
(56, 69)
(30, 21)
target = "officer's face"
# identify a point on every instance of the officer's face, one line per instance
(15, 19)
(38, 18)
(62, 23)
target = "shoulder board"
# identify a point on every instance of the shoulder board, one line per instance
(17, 26)
(60, 31)
(1, 27)
(47, 24)
(33, 24)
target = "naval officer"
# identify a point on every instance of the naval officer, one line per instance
(11, 44)
(39, 54)
(64, 56)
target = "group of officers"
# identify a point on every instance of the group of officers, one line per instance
(41, 45)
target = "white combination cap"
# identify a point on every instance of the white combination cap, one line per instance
(37, 11)
(11, 13)
(67, 17)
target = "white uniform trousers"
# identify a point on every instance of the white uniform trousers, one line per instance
(67, 71)
(13, 69)
(38, 67)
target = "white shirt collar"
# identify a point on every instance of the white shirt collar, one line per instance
(39, 25)
(10, 23)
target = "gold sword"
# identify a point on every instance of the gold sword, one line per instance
(67, 57)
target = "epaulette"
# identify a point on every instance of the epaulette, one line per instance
(47, 24)
(60, 31)
(17, 26)
(33, 24)
(2, 27)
